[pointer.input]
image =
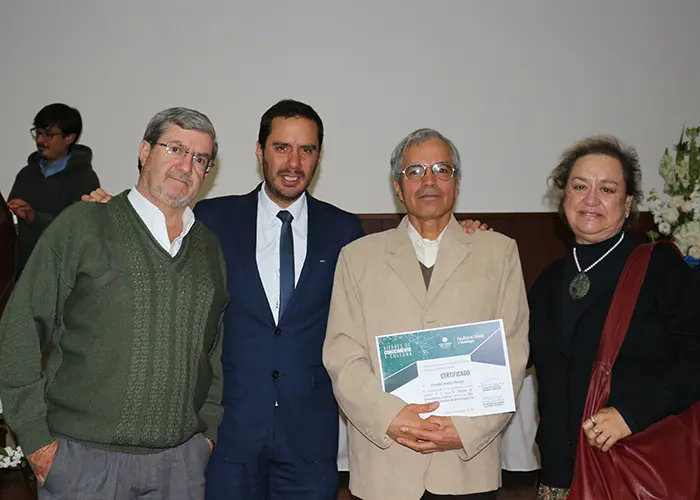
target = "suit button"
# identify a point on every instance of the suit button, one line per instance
(278, 331)
(276, 374)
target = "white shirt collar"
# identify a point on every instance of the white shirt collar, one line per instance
(426, 250)
(154, 220)
(270, 209)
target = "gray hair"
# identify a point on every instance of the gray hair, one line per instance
(185, 118)
(606, 145)
(418, 137)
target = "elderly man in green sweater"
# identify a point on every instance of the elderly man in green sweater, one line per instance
(129, 297)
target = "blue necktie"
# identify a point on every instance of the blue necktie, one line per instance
(286, 260)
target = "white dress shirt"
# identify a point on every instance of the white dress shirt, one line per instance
(426, 250)
(154, 220)
(267, 244)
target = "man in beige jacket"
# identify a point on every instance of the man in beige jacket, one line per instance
(425, 274)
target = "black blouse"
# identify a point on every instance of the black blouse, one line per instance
(657, 372)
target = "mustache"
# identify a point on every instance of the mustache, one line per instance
(183, 176)
(429, 192)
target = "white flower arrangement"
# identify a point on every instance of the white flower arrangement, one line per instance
(11, 458)
(678, 215)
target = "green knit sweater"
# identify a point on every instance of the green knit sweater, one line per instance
(135, 335)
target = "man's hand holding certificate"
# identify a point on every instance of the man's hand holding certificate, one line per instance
(426, 436)
(465, 368)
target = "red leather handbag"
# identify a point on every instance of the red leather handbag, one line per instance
(661, 462)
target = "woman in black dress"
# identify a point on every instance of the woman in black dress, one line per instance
(657, 372)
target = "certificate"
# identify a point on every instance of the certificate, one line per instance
(464, 367)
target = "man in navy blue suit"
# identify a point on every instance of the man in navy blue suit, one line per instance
(279, 435)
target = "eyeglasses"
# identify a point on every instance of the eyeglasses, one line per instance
(40, 132)
(441, 170)
(176, 150)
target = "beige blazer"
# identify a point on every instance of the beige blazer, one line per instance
(379, 289)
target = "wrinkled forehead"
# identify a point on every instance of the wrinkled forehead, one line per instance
(427, 153)
(195, 141)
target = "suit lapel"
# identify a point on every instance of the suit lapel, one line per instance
(246, 265)
(314, 239)
(454, 248)
(402, 260)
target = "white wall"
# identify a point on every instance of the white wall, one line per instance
(511, 82)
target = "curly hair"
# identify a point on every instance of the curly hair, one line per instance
(606, 145)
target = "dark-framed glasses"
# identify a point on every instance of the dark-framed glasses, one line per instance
(177, 150)
(441, 170)
(40, 132)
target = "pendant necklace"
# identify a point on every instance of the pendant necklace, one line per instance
(579, 286)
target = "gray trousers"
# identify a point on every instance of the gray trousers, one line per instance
(80, 472)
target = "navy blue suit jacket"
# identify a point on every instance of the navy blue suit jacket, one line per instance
(264, 362)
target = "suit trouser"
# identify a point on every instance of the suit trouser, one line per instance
(277, 473)
(81, 472)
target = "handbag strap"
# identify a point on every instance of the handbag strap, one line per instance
(623, 304)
